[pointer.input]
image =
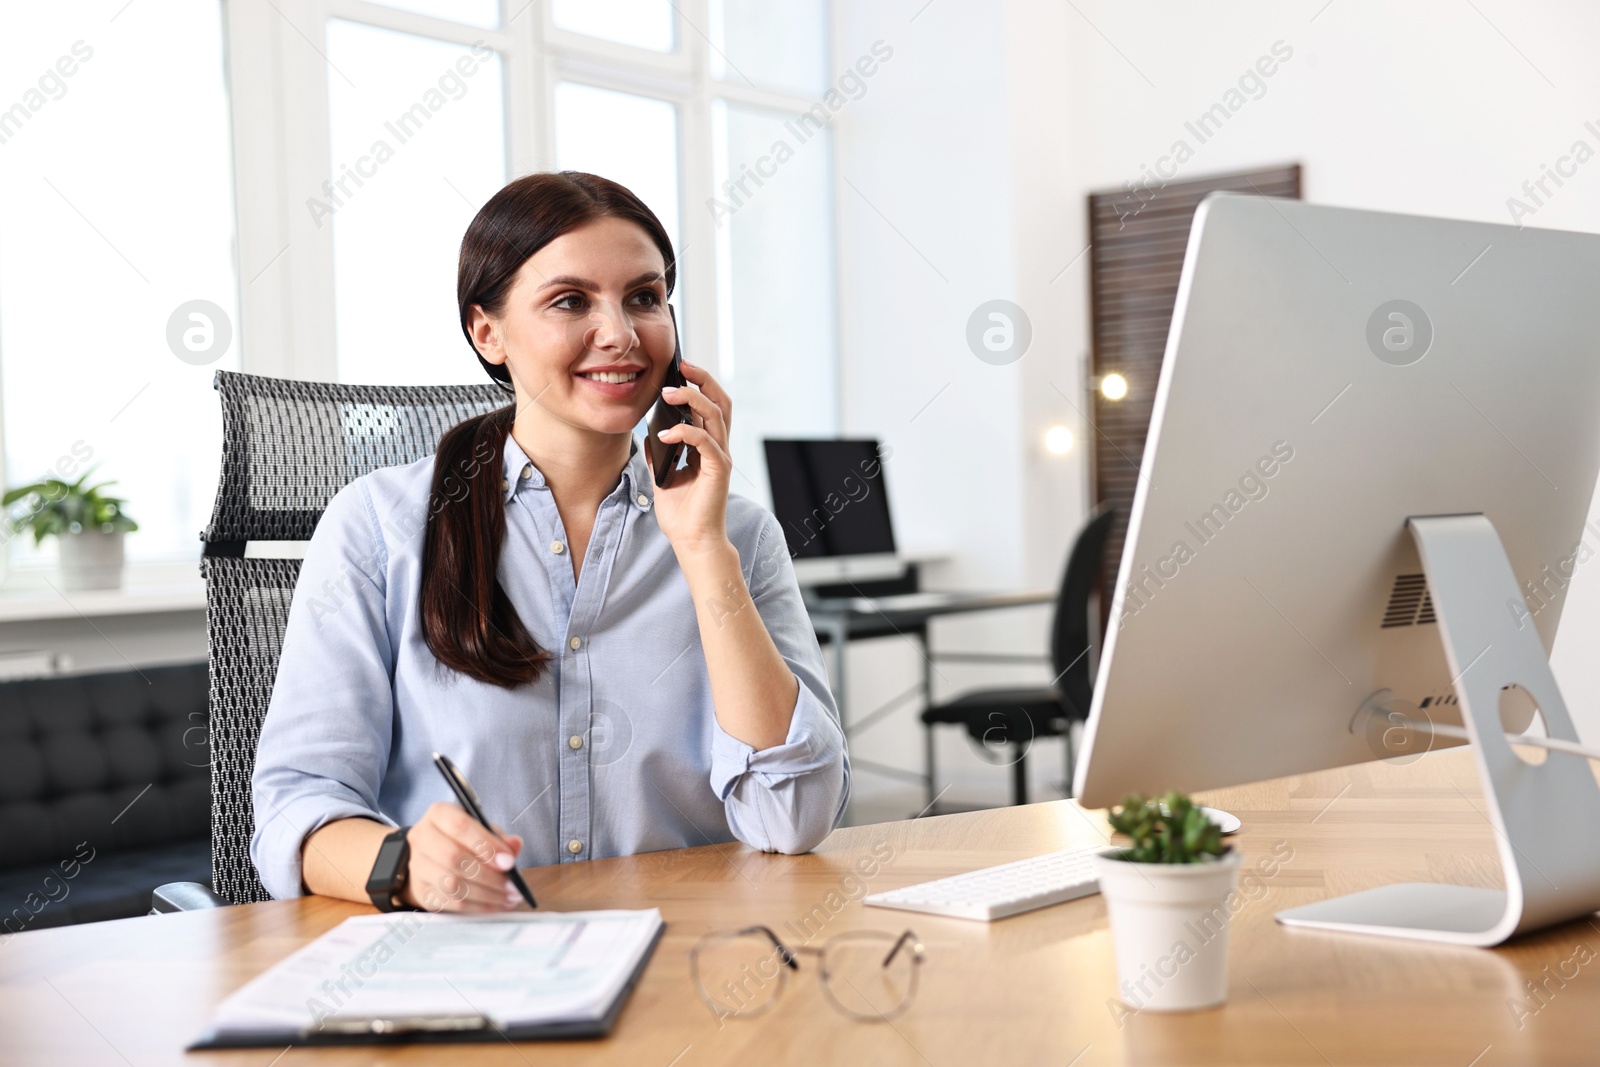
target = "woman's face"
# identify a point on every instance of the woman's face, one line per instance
(585, 331)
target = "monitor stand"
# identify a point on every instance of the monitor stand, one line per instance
(1543, 815)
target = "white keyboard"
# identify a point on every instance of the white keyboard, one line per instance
(997, 892)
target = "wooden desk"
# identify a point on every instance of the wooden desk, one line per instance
(1027, 990)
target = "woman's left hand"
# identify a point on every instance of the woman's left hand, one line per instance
(692, 509)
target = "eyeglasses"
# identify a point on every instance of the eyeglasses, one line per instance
(868, 975)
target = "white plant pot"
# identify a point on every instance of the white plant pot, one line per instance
(91, 559)
(1169, 928)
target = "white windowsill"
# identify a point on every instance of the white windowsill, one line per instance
(34, 594)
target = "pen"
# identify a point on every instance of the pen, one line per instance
(469, 800)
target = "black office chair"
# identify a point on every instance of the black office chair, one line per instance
(1015, 717)
(287, 447)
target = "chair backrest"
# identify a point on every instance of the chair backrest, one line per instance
(287, 448)
(1070, 635)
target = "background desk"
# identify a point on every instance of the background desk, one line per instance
(1027, 990)
(838, 620)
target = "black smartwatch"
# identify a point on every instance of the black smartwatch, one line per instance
(388, 878)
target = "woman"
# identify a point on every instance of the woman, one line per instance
(616, 668)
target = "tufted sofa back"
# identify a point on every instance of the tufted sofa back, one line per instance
(118, 760)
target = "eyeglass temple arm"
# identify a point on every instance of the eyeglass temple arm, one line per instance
(784, 952)
(893, 952)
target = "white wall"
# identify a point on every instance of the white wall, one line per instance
(922, 239)
(979, 142)
(928, 231)
(1436, 108)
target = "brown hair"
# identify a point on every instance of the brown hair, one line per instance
(467, 620)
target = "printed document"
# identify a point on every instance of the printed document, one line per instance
(512, 969)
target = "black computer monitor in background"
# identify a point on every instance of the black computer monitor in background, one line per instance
(830, 499)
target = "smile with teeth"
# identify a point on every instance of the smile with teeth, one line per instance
(611, 377)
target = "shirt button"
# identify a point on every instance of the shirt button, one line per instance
(642, 500)
(575, 644)
(504, 485)
(527, 471)
(557, 547)
(575, 741)
(574, 846)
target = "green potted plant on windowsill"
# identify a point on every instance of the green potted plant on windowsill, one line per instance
(1167, 893)
(88, 523)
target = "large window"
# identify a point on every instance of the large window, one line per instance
(684, 103)
(645, 159)
(641, 23)
(118, 290)
(779, 45)
(417, 132)
(282, 188)
(774, 283)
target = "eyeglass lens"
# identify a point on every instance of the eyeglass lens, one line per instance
(739, 974)
(864, 979)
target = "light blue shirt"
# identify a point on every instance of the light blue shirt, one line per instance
(616, 750)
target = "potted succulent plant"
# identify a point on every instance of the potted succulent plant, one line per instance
(1168, 895)
(89, 523)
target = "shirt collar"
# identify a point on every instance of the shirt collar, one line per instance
(519, 472)
(638, 486)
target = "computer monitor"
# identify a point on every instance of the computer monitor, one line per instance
(829, 497)
(1336, 382)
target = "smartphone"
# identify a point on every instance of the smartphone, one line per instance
(664, 455)
(469, 800)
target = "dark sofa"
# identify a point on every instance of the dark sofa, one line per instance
(104, 793)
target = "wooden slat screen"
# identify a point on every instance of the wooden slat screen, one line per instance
(1137, 240)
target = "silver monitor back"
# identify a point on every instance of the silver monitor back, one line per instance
(1330, 373)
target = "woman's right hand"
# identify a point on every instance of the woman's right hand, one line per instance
(457, 865)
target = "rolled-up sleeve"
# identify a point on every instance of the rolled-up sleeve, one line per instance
(326, 737)
(786, 798)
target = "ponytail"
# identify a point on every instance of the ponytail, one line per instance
(467, 619)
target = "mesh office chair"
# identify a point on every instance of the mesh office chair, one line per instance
(287, 448)
(1015, 716)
